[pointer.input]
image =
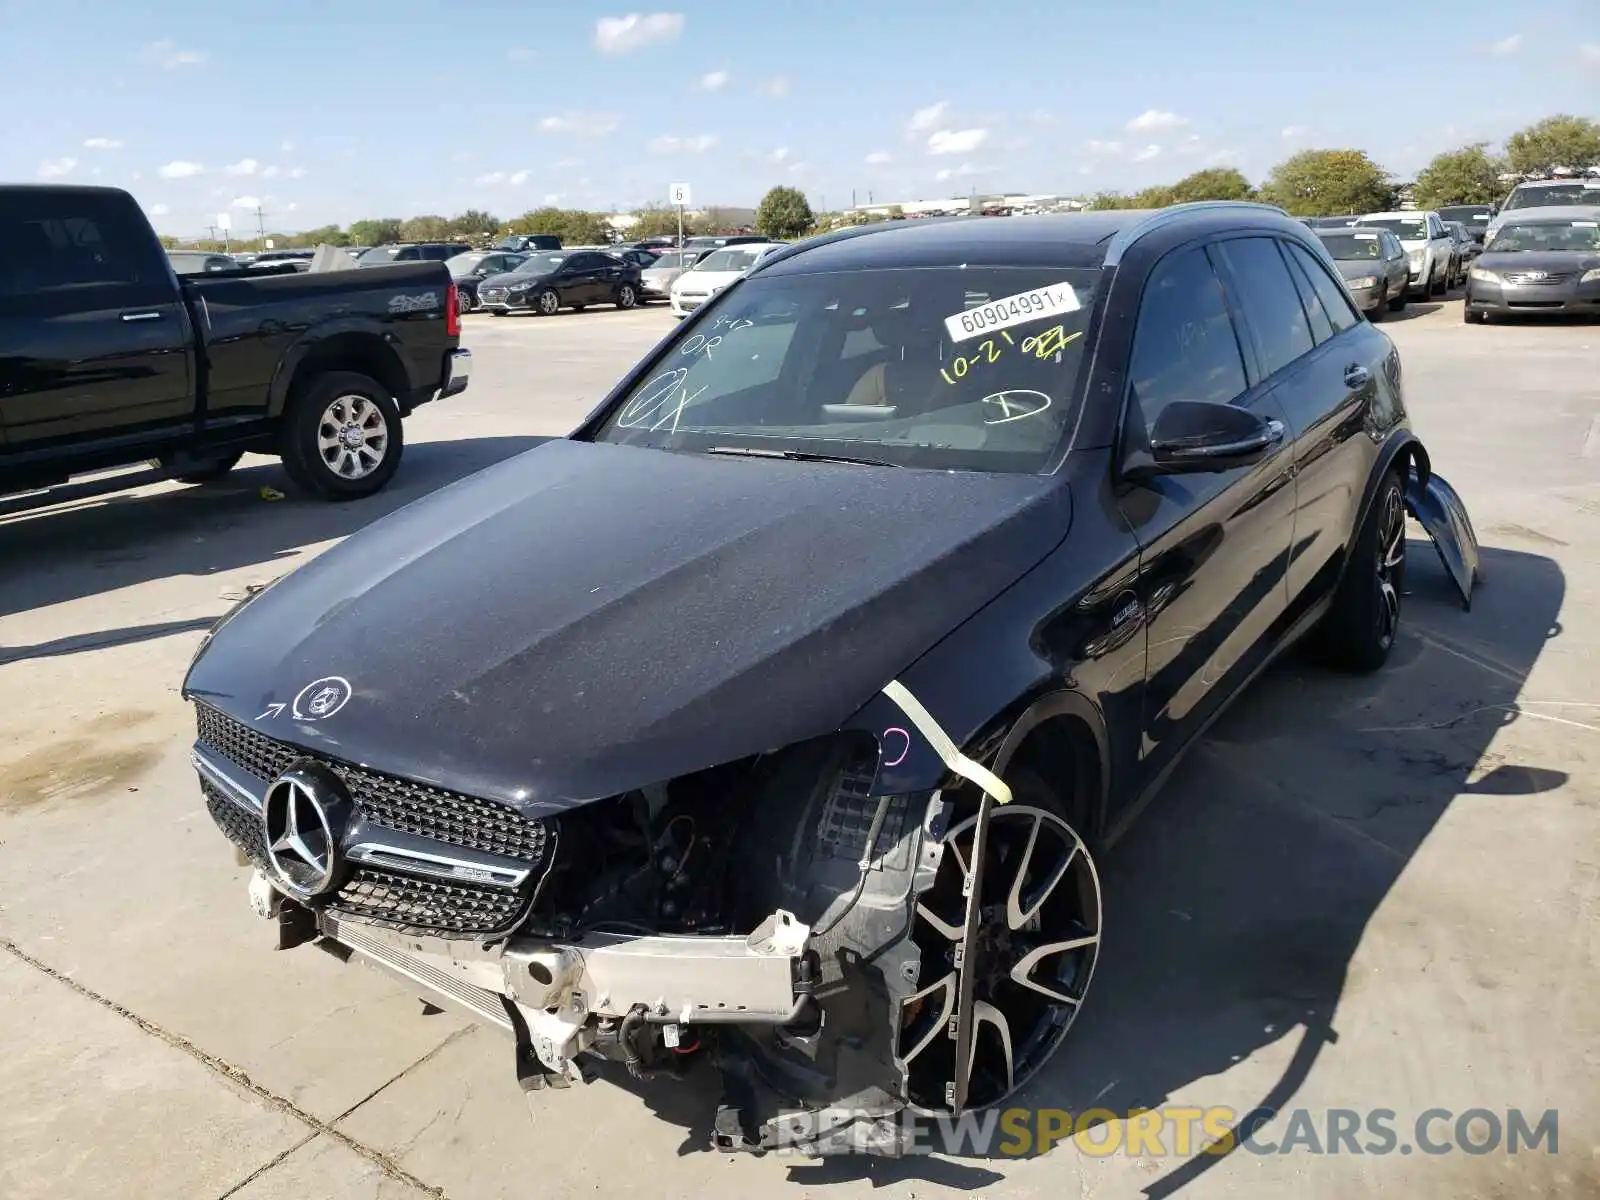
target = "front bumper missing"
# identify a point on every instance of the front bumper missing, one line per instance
(551, 994)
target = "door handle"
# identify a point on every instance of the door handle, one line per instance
(1356, 376)
(142, 316)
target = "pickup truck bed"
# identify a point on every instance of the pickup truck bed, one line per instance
(107, 358)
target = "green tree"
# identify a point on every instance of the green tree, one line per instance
(326, 235)
(1153, 197)
(427, 228)
(475, 224)
(784, 213)
(538, 220)
(1558, 141)
(1470, 175)
(1329, 183)
(896, 213)
(1214, 183)
(657, 220)
(717, 220)
(581, 228)
(1103, 201)
(375, 232)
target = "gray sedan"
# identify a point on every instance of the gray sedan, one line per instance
(655, 281)
(1540, 260)
(1373, 263)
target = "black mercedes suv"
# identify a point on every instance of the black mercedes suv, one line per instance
(777, 715)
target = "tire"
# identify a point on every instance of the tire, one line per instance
(498, 312)
(321, 431)
(548, 302)
(465, 302)
(1437, 286)
(1469, 317)
(1360, 628)
(1400, 299)
(627, 296)
(1375, 313)
(210, 472)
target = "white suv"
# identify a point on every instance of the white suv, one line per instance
(1431, 252)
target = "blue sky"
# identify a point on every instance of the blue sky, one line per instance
(331, 110)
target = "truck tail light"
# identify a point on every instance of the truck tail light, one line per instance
(452, 311)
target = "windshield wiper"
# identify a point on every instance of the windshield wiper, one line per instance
(799, 455)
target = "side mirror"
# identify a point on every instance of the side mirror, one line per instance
(1197, 436)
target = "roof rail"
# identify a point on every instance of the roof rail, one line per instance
(1165, 216)
(844, 235)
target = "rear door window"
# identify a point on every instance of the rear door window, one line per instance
(1335, 299)
(1321, 327)
(1266, 295)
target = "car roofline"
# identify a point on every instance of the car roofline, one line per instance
(1122, 241)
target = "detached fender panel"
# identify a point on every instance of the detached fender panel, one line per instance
(1439, 510)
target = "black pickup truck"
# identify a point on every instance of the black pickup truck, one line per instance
(108, 358)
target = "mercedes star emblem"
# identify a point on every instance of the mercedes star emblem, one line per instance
(304, 813)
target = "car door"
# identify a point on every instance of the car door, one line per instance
(94, 340)
(574, 281)
(1214, 547)
(1394, 263)
(1313, 345)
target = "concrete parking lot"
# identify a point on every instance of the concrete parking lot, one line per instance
(1357, 893)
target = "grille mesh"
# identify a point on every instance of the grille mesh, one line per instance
(398, 804)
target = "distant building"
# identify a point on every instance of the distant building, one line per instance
(955, 206)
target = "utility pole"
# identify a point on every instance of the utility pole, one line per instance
(261, 227)
(212, 231)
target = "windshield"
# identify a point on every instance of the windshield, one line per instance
(540, 264)
(733, 258)
(1577, 236)
(1544, 195)
(1467, 214)
(972, 368)
(379, 254)
(463, 264)
(1408, 229)
(671, 258)
(1346, 246)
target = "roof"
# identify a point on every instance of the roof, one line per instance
(1552, 214)
(1567, 182)
(1416, 213)
(1083, 239)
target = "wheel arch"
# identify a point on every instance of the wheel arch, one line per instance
(1062, 732)
(364, 352)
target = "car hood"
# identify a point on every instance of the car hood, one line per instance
(661, 274)
(585, 619)
(706, 281)
(1555, 261)
(515, 279)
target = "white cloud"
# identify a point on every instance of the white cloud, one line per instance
(667, 144)
(137, 176)
(519, 54)
(713, 81)
(166, 55)
(297, 173)
(94, 170)
(554, 197)
(101, 143)
(878, 157)
(287, 148)
(778, 85)
(180, 170)
(566, 164)
(589, 125)
(619, 35)
(1154, 119)
(956, 141)
(245, 166)
(269, 172)
(1099, 149)
(1590, 53)
(927, 118)
(799, 168)
(1149, 152)
(778, 155)
(964, 170)
(1506, 45)
(291, 206)
(247, 201)
(159, 210)
(1191, 145)
(518, 178)
(1218, 157)
(491, 177)
(1294, 131)
(55, 168)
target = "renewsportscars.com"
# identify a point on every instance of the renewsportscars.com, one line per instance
(1182, 1131)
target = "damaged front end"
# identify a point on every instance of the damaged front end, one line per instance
(839, 955)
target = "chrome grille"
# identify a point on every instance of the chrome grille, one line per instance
(1527, 279)
(399, 804)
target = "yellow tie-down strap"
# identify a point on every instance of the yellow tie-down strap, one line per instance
(943, 746)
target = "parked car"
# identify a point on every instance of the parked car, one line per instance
(1330, 222)
(706, 244)
(1373, 265)
(714, 272)
(548, 282)
(1546, 193)
(1430, 250)
(524, 243)
(200, 262)
(786, 730)
(383, 256)
(469, 270)
(1541, 260)
(1467, 248)
(643, 259)
(298, 260)
(108, 358)
(1475, 217)
(655, 281)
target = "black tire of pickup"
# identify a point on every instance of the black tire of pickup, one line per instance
(300, 439)
(210, 472)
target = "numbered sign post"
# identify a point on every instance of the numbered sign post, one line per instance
(678, 197)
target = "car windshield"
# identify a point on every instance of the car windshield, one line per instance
(1581, 237)
(968, 368)
(1346, 246)
(671, 258)
(732, 258)
(1559, 193)
(1408, 229)
(1466, 214)
(462, 264)
(539, 264)
(378, 254)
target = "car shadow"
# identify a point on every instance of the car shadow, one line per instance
(1237, 900)
(95, 536)
(1417, 308)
